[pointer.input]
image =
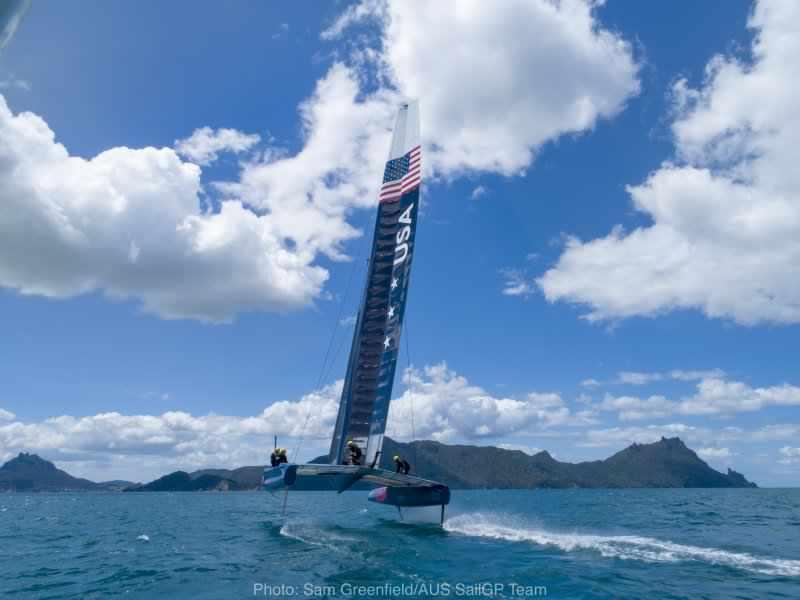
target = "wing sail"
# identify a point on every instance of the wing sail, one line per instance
(376, 342)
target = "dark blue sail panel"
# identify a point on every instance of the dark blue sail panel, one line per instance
(376, 342)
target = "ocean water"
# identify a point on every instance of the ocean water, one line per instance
(500, 544)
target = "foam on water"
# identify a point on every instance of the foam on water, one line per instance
(315, 535)
(629, 547)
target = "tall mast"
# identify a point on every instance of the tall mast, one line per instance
(376, 341)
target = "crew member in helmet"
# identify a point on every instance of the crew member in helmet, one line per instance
(355, 453)
(274, 458)
(282, 458)
(401, 465)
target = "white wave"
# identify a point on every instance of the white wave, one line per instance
(630, 547)
(144, 537)
(314, 535)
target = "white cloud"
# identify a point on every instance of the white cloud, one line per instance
(725, 216)
(173, 440)
(631, 408)
(205, 144)
(717, 396)
(443, 405)
(530, 450)
(127, 222)
(645, 378)
(789, 455)
(617, 436)
(634, 378)
(479, 192)
(714, 396)
(6, 415)
(355, 13)
(516, 283)
(639, 378)
(490, 104)
(348, 321)
(787, 431)
(712, 453)
(11, 82)
(682, 375)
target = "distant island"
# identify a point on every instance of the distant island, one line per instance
(31, 473)
(668, 463)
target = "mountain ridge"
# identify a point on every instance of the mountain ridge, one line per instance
(667, 463)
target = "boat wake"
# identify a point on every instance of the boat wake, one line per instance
(314, 535)
(629, 547)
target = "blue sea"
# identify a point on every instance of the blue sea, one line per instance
(494, 544)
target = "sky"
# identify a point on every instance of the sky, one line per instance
(607, 251)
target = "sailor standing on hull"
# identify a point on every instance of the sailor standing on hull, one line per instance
(354, 452)
(401, 465)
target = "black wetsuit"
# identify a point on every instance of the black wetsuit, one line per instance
(402, 466)
(282, 458)
(274, 459)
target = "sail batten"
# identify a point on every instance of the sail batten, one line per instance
(371, 367)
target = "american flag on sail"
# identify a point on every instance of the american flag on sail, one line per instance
(402, 175)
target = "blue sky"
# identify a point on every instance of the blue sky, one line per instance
(589, 120)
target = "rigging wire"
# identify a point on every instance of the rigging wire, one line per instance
(336, 326)
(365, 247)
(411, 395)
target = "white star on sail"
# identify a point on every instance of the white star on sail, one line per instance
(387, 342)
(391, 311)
(394, 282)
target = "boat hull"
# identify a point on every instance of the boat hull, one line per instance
(401, 496)
(393, 489)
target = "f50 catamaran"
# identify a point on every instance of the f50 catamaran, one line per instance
(364, 406)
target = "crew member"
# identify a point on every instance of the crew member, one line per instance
(282, 458)
(401, 465)
(274, 458)
(355, 452)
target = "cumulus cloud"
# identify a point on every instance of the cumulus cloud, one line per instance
(174, 439)
(309, 194)
(725, 214)
(639, 378)
(645, 378)
(444, 405)
(491, 104)
(205, 144)
(712, 453)
(6, 415)
(717, 396)
(789, 455)
(713, 396)
(127, 222)
(631, 408)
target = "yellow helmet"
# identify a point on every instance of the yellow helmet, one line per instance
(396, 457)
(350, 442)
(282, 450)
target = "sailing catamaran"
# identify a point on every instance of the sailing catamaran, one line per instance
(364, 406)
